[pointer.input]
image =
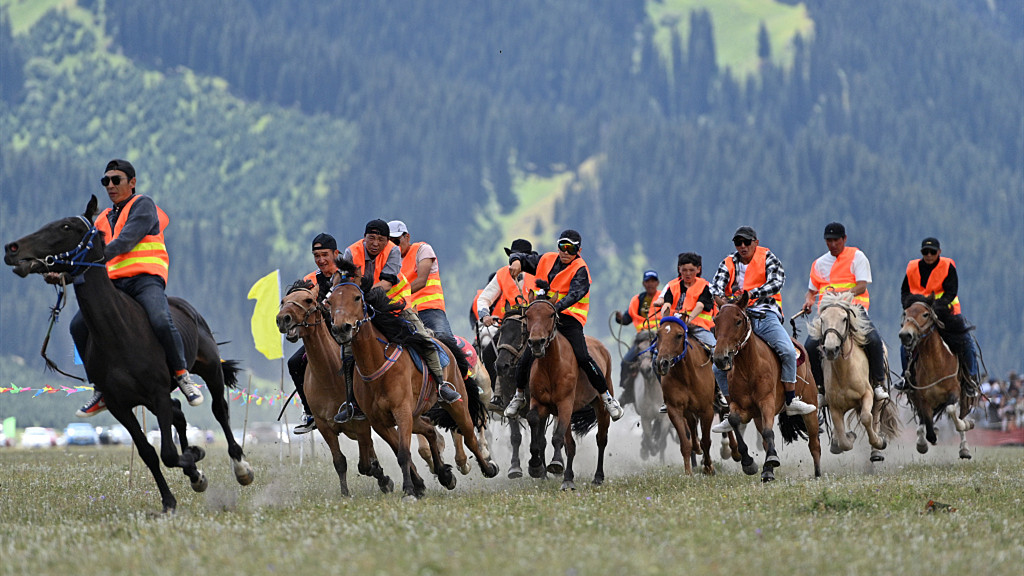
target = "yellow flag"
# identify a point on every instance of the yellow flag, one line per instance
(267, 294)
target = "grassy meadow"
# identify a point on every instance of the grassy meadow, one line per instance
(79, 511)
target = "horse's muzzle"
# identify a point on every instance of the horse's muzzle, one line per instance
(662, 366)
(830, 352)
(723, 363)
(908, 339)
(538, 347)
(343, 333)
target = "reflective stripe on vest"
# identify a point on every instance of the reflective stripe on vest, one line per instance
(561, 282)
(149, 256)
(398, 292)
(706, 318)
(840, 278)
(510, 290)
(935, 280)
(756, 274)
(639, 321)
(430, 296)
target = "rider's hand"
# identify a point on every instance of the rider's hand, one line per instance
(487, 321)
(807, 307)
(618, 316)
(515, 268)
(53, 277)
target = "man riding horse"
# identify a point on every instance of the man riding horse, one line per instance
(643, 314)
(755, 270)
(844, 269)
(137, 263)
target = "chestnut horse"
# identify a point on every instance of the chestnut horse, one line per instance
(124, 358)
(688, 385)
(842, 329)
(301, 316)
(559, 388)
(756, 391)
(392, 392)
(936, 388)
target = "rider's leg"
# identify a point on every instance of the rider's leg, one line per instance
(148, 290)
(522, 382)
(297, 370)
(771, 331)
(906, 381)
(958, 335)
(445, 390)
(705, 337)
(573, 332)
(350, 409)
(875, 351)
(80, 336)
(627, 375)
(437, 321)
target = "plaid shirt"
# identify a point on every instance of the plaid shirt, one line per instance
(775, 278)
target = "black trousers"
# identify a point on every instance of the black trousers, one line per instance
(297, 369)
(573, 332)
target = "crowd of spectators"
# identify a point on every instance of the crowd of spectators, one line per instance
(1001, 404)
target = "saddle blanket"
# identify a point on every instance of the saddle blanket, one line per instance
(441, 354)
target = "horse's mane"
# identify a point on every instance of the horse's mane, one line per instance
(860, 325)
(301, 284)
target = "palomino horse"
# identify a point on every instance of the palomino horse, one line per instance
(123, 357)
(842, 328)
(392, 392)
(756, 391)
(510, 344)
(301, 316)
(649, 398)
(688, 385)
(936, 387)
(559, 388)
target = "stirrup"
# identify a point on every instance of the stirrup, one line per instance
(447, 393)
(349, 411)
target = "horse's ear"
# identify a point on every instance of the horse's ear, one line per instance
(744, 299)
(91, 209)
(719, 301)
(508, 307)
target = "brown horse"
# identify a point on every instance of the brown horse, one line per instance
(688, 385)
(842, 328)
(936, 387)
(559, 388)
(392, 392)
(756, 391)
(301, 316)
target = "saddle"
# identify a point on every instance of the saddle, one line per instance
(442, 355)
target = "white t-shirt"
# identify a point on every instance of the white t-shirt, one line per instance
(426, 251)
(861, 268)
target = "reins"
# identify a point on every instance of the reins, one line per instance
(554, 330)
(307, 311)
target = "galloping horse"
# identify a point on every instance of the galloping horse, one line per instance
(391, 390)
(123, 357)
(558, 387)
(842, 329)
(936, 388)
(301, 316)
(756, 391)
(649, 398)
(688, 385)
(510, 344)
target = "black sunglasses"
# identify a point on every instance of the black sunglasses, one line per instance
(929, 252)
(569, 248)
(741, 241)
(108, 179)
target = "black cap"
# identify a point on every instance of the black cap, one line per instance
(745, 232)
(572, 236)
(930, 242)
(324, 241)
(520, 246)
(377, 226)
(122, 165)
(689, 258)
(834, 230)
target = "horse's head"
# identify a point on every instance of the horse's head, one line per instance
(299, 310)
(642, 342)
(541, 321)
(511, 341)
(732, 331)
(919, 319)
(671, 343)
(57, 246)
(836, 323)
(347, 301)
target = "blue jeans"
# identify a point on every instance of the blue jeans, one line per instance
(771, 331)
(707, 338)
(437, 321)
(147, 290)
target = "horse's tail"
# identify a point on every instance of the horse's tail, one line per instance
(583, 421)
(230, 368)
(889, 420)
(792, 427)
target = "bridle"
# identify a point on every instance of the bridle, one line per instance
(74, 257)
(686, 340)
(306, 311)
(517, 350)
(922, 331)
(368, 311)
(554, 311)
(750, 330)
(831, 330)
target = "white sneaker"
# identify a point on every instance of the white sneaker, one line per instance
(722, 427)
(307, 424)
(515, 404)
(798, 407)
(612, 405)
(880, 393)
(189, 389)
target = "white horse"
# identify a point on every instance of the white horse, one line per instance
(649, 399)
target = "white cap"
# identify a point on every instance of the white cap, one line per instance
(397, 228)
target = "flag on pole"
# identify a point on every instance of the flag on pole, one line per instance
(267, 294)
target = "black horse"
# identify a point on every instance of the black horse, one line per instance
(511, 343)
(123, 357)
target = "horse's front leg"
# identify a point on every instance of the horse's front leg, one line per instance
(842, 439)
(337, 456)
(765, 428)
(568, 476)
(146, 452)
(423, 427)
(562, 422)
(738, 420)
(705, 440)
(679, 422)
(516, 439)
(538, 444)
(870, 418)
(962, 426)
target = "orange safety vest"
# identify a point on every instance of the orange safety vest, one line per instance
(639, 321)
(149, 256)
(706, 318)
(510, 290)
(430, 296)
(399, 291)
(935, 280)
(560, 284)
(840, 278)
(755, 276)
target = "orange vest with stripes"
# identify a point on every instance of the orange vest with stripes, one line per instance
(149, 256)
(840, 278)
(561, 282)
(640, 322)
(755, 276)
(430, 296)
(510, 290)
(398, 292)
(935, 280)
(706, 318)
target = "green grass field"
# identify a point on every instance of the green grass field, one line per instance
(77, 511)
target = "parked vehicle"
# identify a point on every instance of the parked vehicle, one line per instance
(196, 436)
(268, 433)
(38, 437)
(81, 434)
(114, 435)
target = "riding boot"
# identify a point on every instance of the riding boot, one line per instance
(350, 409)
(446, 391)
(627, 383)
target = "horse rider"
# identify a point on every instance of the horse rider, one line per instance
(935, 275)
(643, 314)
(325, 253)
(844, 269)
(755, 270)
(137, 263)
(569, 280)
(419, 266)
(688, 296)
(381, 261)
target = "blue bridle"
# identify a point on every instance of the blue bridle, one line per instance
(686, 341)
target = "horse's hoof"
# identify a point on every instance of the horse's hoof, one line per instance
(767, 476)
(515, 472)
(556, 467)
(409, 498)
(725, 452)
(489, 469)
(568, 485)
(773, 461)
(965, 454)
(834, 448)
(198, 453)
(750, 469)
(851, 436)
(922, 448)
(200, 484)
(387, 486)
(537, 472)
(598, 480)
(244, 472)
(446, 478)
(168, 510)
(876, 456)
(709, 470)
(464, 468)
